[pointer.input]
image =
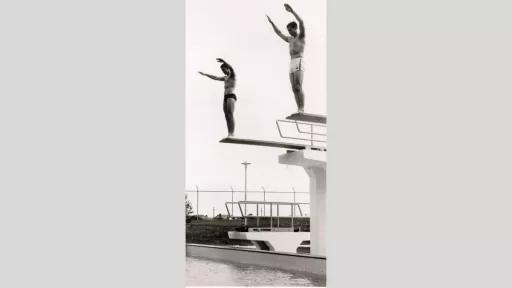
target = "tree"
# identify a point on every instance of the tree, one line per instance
(188, 206)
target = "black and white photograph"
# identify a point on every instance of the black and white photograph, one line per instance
(167, 144)
(256, 143)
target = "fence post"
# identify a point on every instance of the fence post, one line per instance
(278, 215)
(293, 208)
(257, 215)
(270, 216)
(264, 199)
(197, 203)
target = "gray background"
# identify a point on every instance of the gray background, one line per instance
(91, 158)
(419, 110)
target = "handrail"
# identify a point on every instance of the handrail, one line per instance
(227, 209)
(297, 123)
(243, 191)
(296, 138)
(306, 132)
(271, 203)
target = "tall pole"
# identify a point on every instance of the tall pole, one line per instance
(245, 163)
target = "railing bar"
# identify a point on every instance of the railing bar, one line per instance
(279, 128)
(302, 122)
(303, 139)
(306, 132)
(227, 209)
(270, 215)
(240, 207)
(278, 216)
(241, 191)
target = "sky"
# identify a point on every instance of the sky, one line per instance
(239, 32)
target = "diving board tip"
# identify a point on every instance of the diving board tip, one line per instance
(306, 117)
(274, 144)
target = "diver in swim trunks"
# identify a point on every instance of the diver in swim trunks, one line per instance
(296, 42)
(229, 95)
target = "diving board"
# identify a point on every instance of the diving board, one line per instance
(305, 117)
(274, 144)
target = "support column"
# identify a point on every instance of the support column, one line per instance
(314, 164)
(317, 218)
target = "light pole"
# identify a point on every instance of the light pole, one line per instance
(245, 163)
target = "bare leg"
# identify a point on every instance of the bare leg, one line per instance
(296, 81)
(229, 109)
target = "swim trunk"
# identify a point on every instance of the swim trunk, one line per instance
(231, 95)
(296, 64)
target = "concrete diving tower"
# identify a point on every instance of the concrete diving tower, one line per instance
(310, 157)
(314, 163)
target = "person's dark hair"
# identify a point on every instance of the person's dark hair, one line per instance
(292, 25)
(224, 65)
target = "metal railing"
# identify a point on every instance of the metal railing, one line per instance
(311, 133)
(272, 204)
(232, 191)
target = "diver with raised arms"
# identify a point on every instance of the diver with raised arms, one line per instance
(296, 42)
(229, 79)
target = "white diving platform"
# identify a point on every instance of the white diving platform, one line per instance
(274, 144)
(305, 117)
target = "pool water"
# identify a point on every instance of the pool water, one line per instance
(204, 272)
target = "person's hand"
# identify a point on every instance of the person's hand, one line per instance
(220, 60)
(288, 8)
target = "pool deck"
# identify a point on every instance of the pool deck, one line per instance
(280, 260)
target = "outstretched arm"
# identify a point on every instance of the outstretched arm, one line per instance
(212, 76)
(279, 33)
(220, 60)
(302, 32)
